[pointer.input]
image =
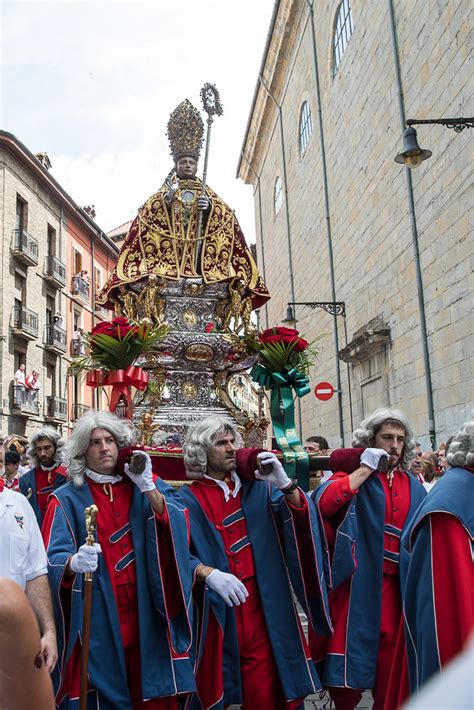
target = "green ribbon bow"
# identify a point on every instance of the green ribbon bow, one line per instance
(282, 410)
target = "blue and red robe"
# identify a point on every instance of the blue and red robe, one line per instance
(144, 564)
(260, 540)
(438, 596)
(37, 485)
(365, 564)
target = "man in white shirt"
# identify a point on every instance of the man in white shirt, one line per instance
(23, 560)
(19, 375)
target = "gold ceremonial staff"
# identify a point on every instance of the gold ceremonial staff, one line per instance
(90, 514)
(212, 106)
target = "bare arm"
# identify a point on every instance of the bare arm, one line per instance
(39, 596)
(359, 476)
(156, 500)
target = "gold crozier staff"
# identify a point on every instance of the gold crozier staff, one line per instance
(91, 526)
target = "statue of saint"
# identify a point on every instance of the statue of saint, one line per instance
(166, 238)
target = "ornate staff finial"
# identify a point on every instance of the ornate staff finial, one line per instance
(211, 101)
(212, 106)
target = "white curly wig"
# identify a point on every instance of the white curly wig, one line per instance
(199, 439)
(78, 443)
(461, 448)
(364, 436)
(53, 435)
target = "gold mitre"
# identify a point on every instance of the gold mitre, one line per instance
(185, 131)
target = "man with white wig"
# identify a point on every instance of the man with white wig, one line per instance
(438, 594)
(47, 474)
(363, 512)
(140, 630)
(248, 535)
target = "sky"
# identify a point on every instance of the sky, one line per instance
(94, 83)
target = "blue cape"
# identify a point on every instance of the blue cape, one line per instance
(452, 494)
(363, 527)
(161, 675)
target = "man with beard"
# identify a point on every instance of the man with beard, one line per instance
(47, 473)
(363, 512)
(140, 630)
(251, 537)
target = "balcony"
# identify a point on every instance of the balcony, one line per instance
(25, 401)
(25, 247)
(54, 338)
(81, 287)
(54, 271)
(78, 410)
(102, 312)
(77, 347)
(55, 408)
(25, 323)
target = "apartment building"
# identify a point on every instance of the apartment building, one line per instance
(53, 259)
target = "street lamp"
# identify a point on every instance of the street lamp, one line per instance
(413, 155)
(334, 308)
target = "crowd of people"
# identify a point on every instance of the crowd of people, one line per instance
(195, 589)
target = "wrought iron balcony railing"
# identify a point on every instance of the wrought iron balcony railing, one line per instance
(54, 338)
(55, 408)
(25, 322)
(25, 401)
(25, 247)
(54, 271)
(81, 287)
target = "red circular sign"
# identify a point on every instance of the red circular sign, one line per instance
(324, 391)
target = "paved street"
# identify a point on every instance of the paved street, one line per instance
(315, 701)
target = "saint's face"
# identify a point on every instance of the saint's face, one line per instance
(221, 456)
(391, 438)
(102, 454)
(45, 451)
(186, 167)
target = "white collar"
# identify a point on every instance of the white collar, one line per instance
(101, 477)
(225, 487)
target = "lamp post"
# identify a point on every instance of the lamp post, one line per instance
(412, 154)
(334, 308)
(411, 157)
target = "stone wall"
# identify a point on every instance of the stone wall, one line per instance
(368, 207)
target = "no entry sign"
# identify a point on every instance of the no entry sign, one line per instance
(324, 391)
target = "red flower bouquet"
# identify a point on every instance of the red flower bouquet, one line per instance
(282, 349)
(116, 344)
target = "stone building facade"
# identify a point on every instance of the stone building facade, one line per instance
(326, 122)
(41, 300)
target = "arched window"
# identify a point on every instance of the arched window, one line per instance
(343, 28)
(277, 196)
(306, 126)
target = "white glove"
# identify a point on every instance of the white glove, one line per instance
(143, 480)
(371, 458)
(277, 475)
(232, 590)
(86, 558)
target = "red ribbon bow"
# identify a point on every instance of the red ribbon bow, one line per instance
(120, 381)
